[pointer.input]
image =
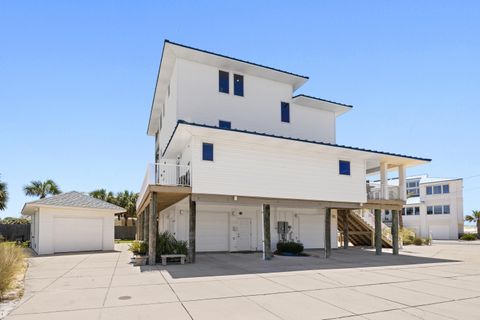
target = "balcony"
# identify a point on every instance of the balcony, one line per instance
(375, 192)
(164, 174)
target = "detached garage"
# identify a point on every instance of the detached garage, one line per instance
(71, 222)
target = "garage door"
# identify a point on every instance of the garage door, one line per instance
(212, 231)
(77, 234)
(440, 232)
(311, 230)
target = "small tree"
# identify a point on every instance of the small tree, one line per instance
(42, 189)
(474, 217)
(3, 195)
(127, 200)
(104, 195)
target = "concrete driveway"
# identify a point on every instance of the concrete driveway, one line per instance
(437, 282)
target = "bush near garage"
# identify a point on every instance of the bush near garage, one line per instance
(139, 248)
(291, 247)
(167, 244)
(469, 237)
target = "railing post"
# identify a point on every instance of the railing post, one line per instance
(384, 181)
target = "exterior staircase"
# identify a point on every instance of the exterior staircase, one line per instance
(361, 227)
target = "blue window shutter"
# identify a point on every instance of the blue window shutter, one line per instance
(207, 151)
(285, 111)
(344, 167)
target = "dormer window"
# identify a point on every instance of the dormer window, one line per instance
(223, 81)
(224, 124)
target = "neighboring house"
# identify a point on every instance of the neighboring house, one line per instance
(71, 221)
(238, 155)
(434, 207)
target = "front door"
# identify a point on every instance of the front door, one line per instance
(244, 238)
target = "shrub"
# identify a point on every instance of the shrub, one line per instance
(407, 236)
(139, 247)
(289, 247)
(167, 244)
(11, 263)
(427, 241)
(417, 241)
(25, 244)
(469, 237)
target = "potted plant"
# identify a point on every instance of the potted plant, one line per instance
(139, 250)
(289, 248)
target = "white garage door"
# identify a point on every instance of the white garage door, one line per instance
(440, 232)
(212, 231)
(77, 234)
(311, 231)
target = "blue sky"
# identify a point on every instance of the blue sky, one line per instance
(77, 78)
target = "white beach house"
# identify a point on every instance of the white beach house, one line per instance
(241, 160)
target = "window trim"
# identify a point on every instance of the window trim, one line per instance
(205, 144)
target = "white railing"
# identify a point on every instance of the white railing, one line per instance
(374, 192)
(165, 174)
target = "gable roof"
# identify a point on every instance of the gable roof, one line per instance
(72, 199)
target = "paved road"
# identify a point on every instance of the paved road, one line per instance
(437, 282)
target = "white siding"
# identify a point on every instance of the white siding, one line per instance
(218, 225)
(275, 169)
(169, 118)
(200, 101)
(46, 228)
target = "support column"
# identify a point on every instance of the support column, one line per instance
(395, 231)
(267, 250)
(328, 232)
(152, 231)
(378, 232)
(192, 227)
(384, 180)
(140, 226)
(345, 229)
(402, 182)
(145, 223)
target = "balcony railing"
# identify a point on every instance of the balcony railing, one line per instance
(374, 192)
(165, 174)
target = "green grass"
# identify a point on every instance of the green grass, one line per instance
(123, 241)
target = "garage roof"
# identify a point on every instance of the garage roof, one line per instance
(71, 199)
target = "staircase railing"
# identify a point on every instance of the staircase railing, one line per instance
(369, 218)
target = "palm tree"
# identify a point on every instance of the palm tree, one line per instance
(474, 217)
(42, 189)
(127, 200)
(102, 194)
(3, 195)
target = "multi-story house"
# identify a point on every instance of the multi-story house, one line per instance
(434, 207)
(242, 162)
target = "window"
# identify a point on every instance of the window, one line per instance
(446, 209)
(446, 188)
(413, 188)
(429, 190)
(437, 189)
(417, 211)
(285, 111)
(437, 209)
(429, 210)
(238, 85)
(409, 211)
(224, 124)
(344, 167)
(207, 150)
(223, 81)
